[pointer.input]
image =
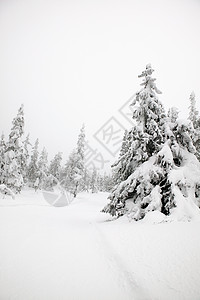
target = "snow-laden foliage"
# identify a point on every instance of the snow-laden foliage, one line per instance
(123, 167)
(73, 174)
(43, 169)
(173, 114)
(2, 159)
(55, 166)
(193, 112)
(93, 182)
(195, 119)
(145, 138)
(105, 182)
(33, 168)
(4, 190)
(165, 173)
(86, 180)
(158, 184)
(14, 155)
(70, 180)
(24, 169)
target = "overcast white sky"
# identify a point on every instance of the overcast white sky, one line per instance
(71, 62)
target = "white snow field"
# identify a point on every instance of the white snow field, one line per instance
(77, 253)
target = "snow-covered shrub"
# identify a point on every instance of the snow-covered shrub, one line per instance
(4, 190)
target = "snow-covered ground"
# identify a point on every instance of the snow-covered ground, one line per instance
(77, 253)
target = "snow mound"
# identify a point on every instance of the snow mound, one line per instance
(6, 191)
(154, 217)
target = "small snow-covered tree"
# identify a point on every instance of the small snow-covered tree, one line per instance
(86, 180)
(2, 159)
(14, 154)
(55, 166)
(43, 168)
(33, 168)
(26, 145)
(93, 182)
(195, 119)
(70, 172)
(193, 112)
(173, 114)
(108, 183)
(74, 169)
(80, 164)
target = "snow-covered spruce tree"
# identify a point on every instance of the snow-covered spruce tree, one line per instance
(73, 174)
(69, 173)
(147, 135)
(122, 168)
(107, 183)
(2, 159)
(173, 114)
(43, 168)
(86, 180)
(33, 168)
(193, 112)
(93, 182)
(55, 166)
(168, 179)
(80, 164)
(195, 119)
(100, 182)
(26, 155)
(145, 138)
(14, 154)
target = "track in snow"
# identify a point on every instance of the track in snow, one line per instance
(59, 253)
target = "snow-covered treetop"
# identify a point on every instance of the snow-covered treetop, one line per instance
(18, 122)
(81, 141)
(81, 144)
(148, 111)
(173, 114)
(2, 140)
(17, 129)
(148, 81)
(193, 112)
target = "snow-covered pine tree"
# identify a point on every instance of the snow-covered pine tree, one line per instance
(74, 170)
(93, 182)
(173, 114)
(103, 182)
(14, 154)
(43, 168)
(80, 164)
(33, 168)
(193, 112)
(55, 166)
(145, 138)
(69, 173)
(108, 183)
(149, 115)
(86, 180)
(168, 179)
(2, 159)
(26, 155)
(122, 168)
(195, 119)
